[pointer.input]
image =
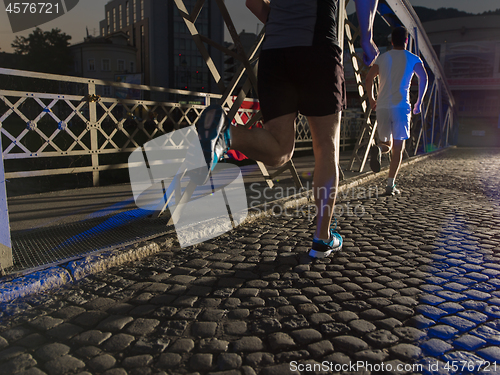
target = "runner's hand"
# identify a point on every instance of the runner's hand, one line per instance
(417, 108)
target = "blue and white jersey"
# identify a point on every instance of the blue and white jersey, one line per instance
(396, 68)
(297, 23)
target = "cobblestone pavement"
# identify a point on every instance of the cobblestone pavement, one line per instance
(415, 290)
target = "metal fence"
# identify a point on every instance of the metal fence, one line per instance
(56, 125)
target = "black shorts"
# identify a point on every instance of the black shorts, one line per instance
(309, 80)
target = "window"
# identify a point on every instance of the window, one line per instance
(106, 65)
(132, 67)
(183, 61)
(91, 65)
(106, 91)
(120, 16)
(108, 21)
(121, 65)
(203, 14)
(134, 9)
(203, 29)
(179, 27)
(142, 30)
(103, 31)
(127, 13)
(142, 10)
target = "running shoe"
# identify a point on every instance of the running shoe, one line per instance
(392, 190)
(213, 132)
(321, 249)
(375, 158)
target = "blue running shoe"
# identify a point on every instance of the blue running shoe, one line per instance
(213, 132)
(392, 190)
(321, 249)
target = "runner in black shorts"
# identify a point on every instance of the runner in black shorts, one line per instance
(309, 80)
(300, 71)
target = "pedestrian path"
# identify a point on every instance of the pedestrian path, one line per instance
(415, 290)
(58, 227)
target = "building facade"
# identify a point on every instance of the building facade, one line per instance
(109, 58)
(469, 51)
(166, 53)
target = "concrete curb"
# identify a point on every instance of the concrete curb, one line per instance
(74, 270)
(95, 263)
(56, 276)
(38, 281)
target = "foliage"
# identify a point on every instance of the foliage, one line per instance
(491, 13)
(44, 51)
(426, 14)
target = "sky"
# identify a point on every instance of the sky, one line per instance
(88, 13)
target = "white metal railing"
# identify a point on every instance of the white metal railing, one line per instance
(85, 126)
(81, 132)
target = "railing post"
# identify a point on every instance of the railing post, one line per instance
(94, 145)
(6, 259)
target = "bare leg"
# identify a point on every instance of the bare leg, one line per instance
(325, 133)
(397, 156)
(272, 145)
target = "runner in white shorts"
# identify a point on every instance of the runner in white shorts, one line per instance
(395, 69)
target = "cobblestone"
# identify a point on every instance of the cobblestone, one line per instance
(436, 347)
(137, 361)
(182, 346)
(118, 343)
(18, 364)
(229, 361)
(417, 281)
(349, 343)
(102, 363)
(248, 344)
(169, 360)
(469, 342)
(63, 365)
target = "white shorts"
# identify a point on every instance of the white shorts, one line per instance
(393, 123)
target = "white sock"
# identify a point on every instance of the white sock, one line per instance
(390, 182)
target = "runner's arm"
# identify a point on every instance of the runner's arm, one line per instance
(260, 8)
(422, 86)
(366, 10)
(370, 76)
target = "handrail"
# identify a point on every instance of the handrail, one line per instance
(64, 78)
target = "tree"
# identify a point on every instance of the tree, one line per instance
(45, 51)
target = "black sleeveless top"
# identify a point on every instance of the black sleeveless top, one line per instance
(294, 23)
